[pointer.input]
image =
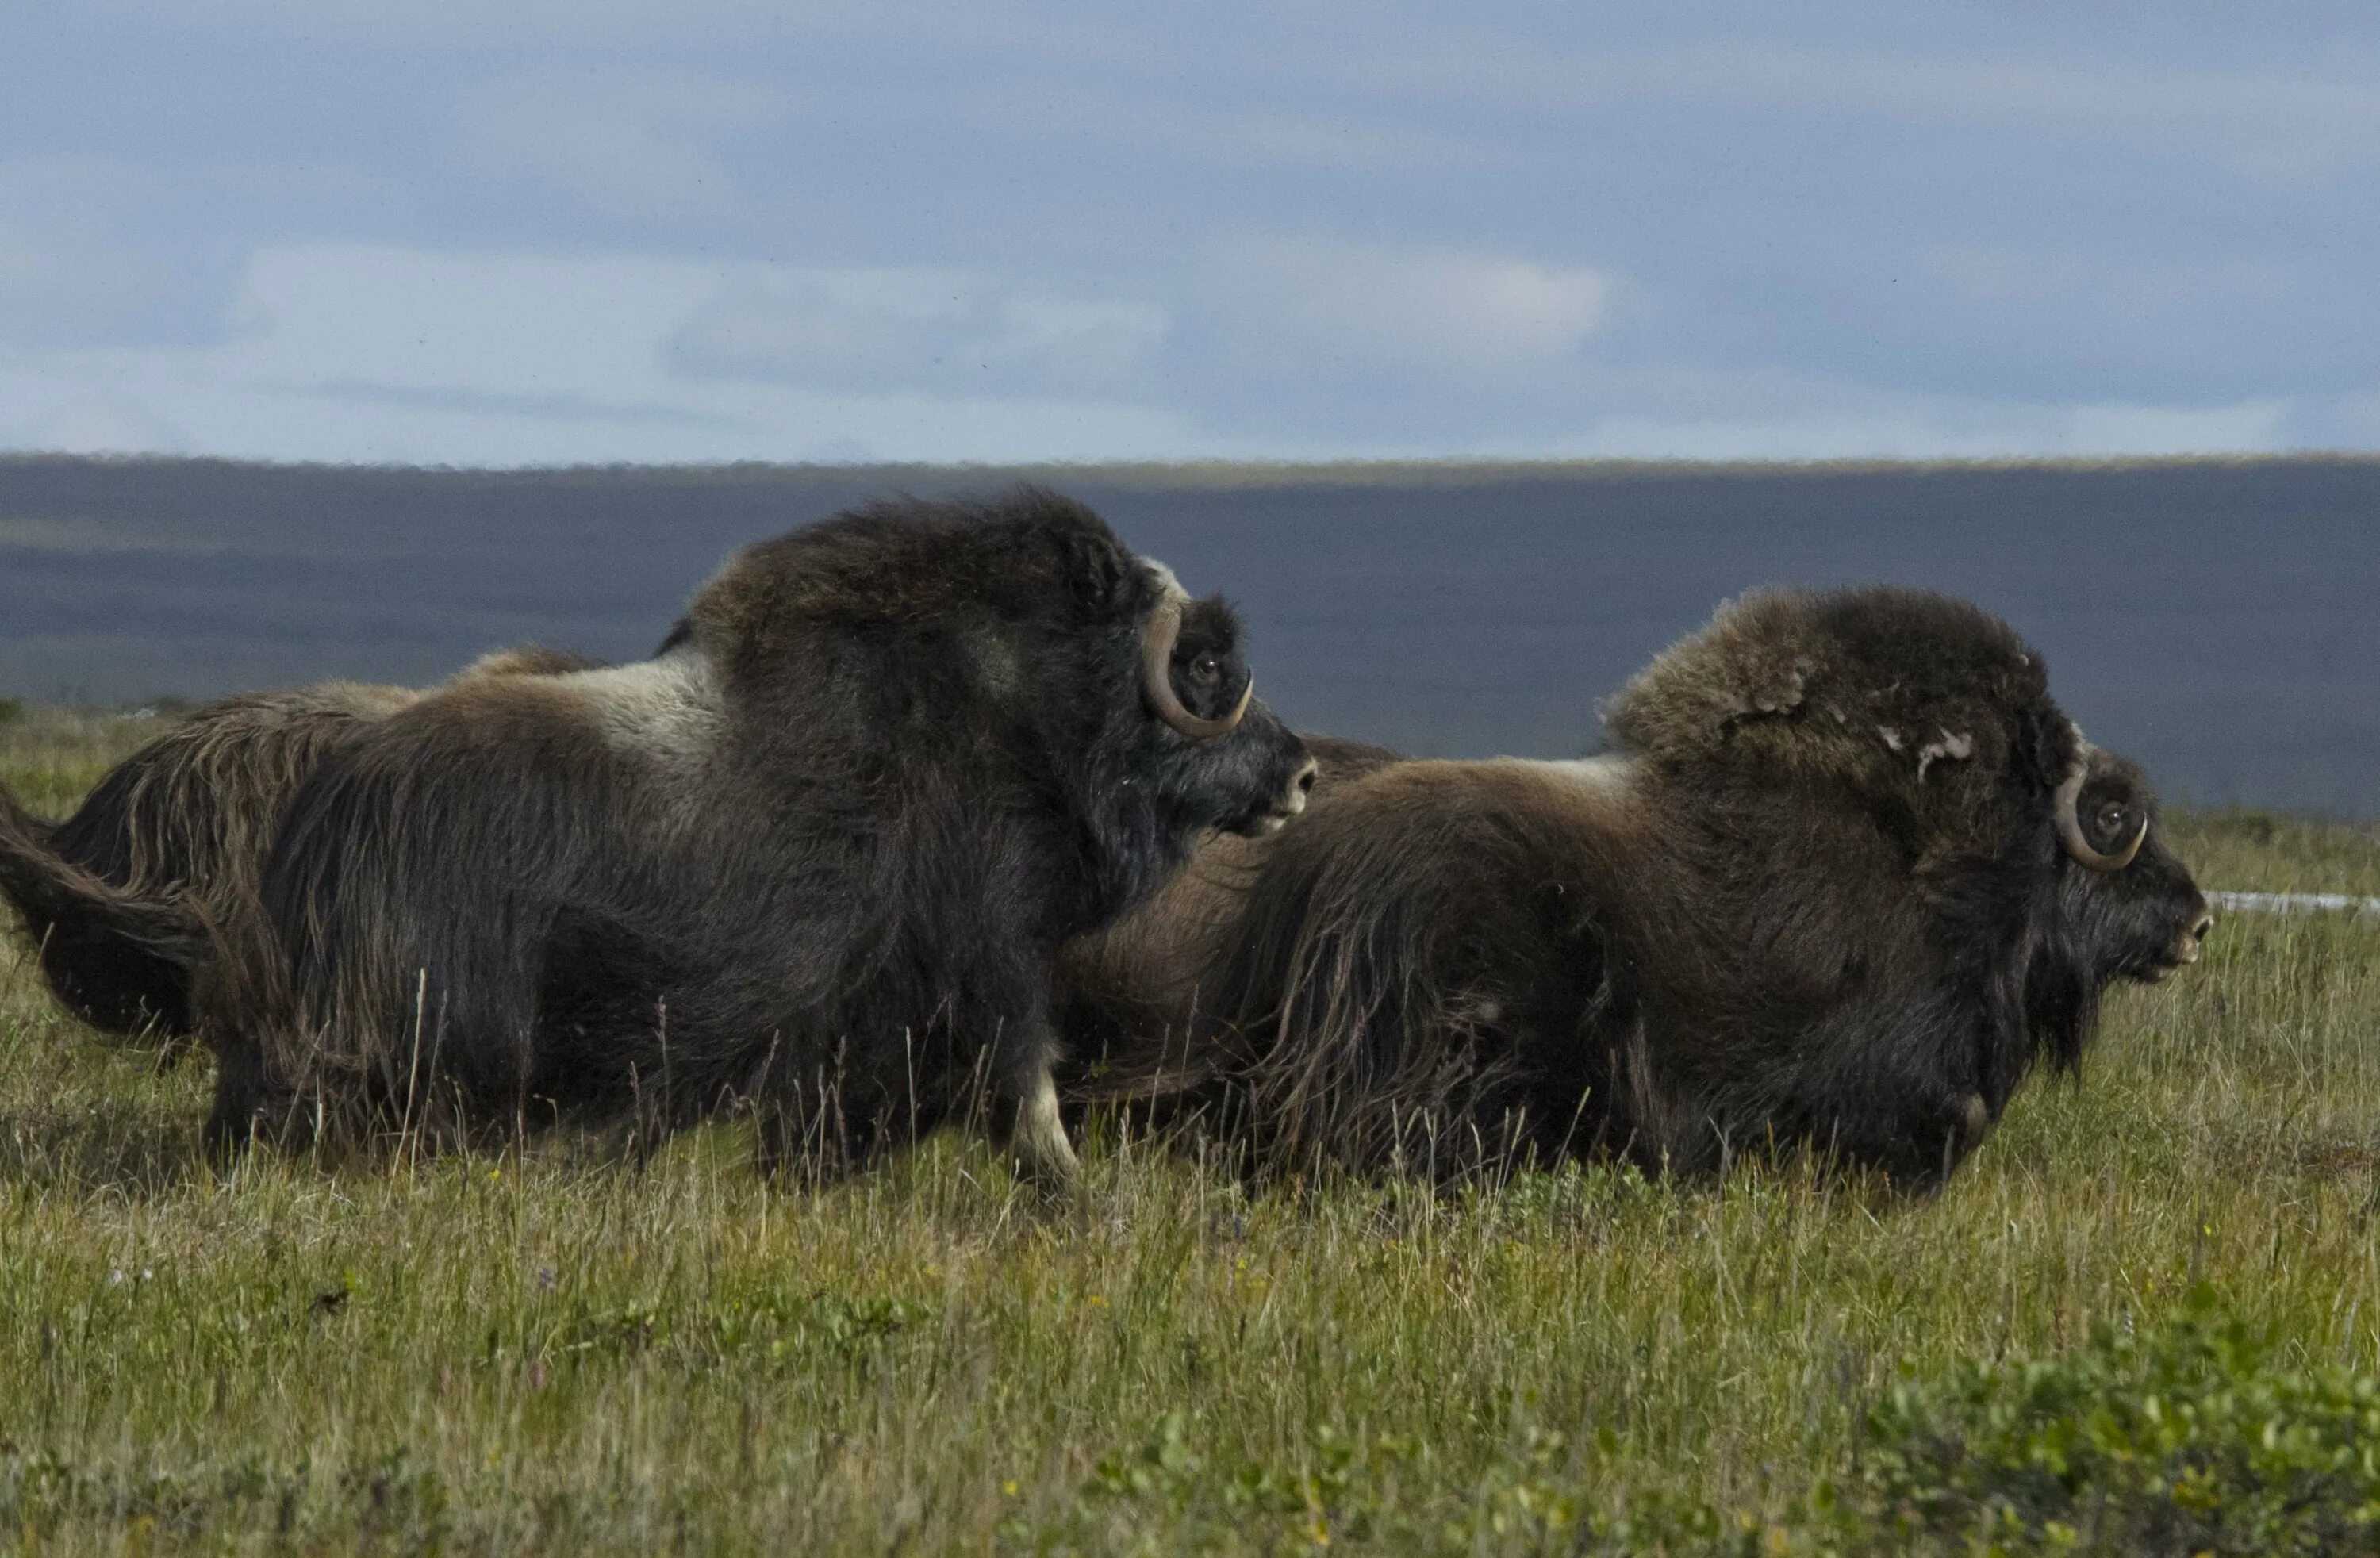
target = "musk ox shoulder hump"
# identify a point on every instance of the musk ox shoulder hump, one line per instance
(909, 564)
(1840, 682)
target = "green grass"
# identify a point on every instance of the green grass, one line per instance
(49, 757)
(2143, 1319)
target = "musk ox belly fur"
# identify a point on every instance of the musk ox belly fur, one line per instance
(815, 860)
(1848, 876)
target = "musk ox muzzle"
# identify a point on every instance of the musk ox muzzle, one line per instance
(1292, 799)
(2187, 946)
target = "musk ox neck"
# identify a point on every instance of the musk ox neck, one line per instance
(1125, 853)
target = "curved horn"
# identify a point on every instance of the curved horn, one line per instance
(1156, 676)
(2066, 805)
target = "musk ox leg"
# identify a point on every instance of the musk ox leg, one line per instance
(1025, 1120)
(242, 1097)
(1036, 1138)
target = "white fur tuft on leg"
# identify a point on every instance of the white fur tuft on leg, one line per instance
(1037, 1143)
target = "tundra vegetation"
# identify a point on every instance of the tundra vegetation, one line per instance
(2142, 1319)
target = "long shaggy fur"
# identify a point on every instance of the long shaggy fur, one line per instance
(188, 819)
(1814, 900)
(48, 893)
(814, 860)
(1129, 996)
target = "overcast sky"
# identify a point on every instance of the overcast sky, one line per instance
(537, 231)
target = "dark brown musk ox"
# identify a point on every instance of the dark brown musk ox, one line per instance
(1124, 993)
(814, 860)
(190, 815)
(1847, 875)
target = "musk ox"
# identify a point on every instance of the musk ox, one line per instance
(1122, 992)
(187, 816)
(1846, 876)
(814, 860)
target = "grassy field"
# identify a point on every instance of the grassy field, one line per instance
(2144, 1318)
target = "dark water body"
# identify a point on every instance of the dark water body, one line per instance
(2220, 622)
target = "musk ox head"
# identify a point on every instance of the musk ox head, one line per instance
(2126, 897)
(2123, 908)
(1019, 624)
(1195, 681)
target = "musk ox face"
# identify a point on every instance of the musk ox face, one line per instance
(1221, 761)
(2146, 918)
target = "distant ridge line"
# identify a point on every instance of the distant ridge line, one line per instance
(1215, 472)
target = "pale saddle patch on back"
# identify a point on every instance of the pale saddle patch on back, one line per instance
(666, 711)
(1607, 777)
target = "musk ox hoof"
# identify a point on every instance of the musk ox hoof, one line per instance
(1038, 1148)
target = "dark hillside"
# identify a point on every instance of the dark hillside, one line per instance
(2216, 618)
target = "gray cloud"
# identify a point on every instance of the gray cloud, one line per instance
(911, 329)
(2282, 128)
(69, 271)
(627, 146)
(1312, 306)
(727, 229)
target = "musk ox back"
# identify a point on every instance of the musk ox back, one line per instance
(186, 817)
(813, 861)
(1848, 876)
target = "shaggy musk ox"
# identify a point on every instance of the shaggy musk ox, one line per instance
(1848, 875)
(1125, 992)
(815, 860)
(189, 815)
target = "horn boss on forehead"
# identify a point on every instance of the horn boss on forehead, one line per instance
(1158, 640)
(2067, 811)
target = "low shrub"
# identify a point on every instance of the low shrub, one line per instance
(2197, 1434)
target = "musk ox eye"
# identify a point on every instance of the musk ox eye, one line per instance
(1206, 668)
(2114, 820)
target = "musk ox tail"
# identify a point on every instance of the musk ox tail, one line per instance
(60, 906)
(187, 821)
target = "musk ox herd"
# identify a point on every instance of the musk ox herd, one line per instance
(962, 813)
